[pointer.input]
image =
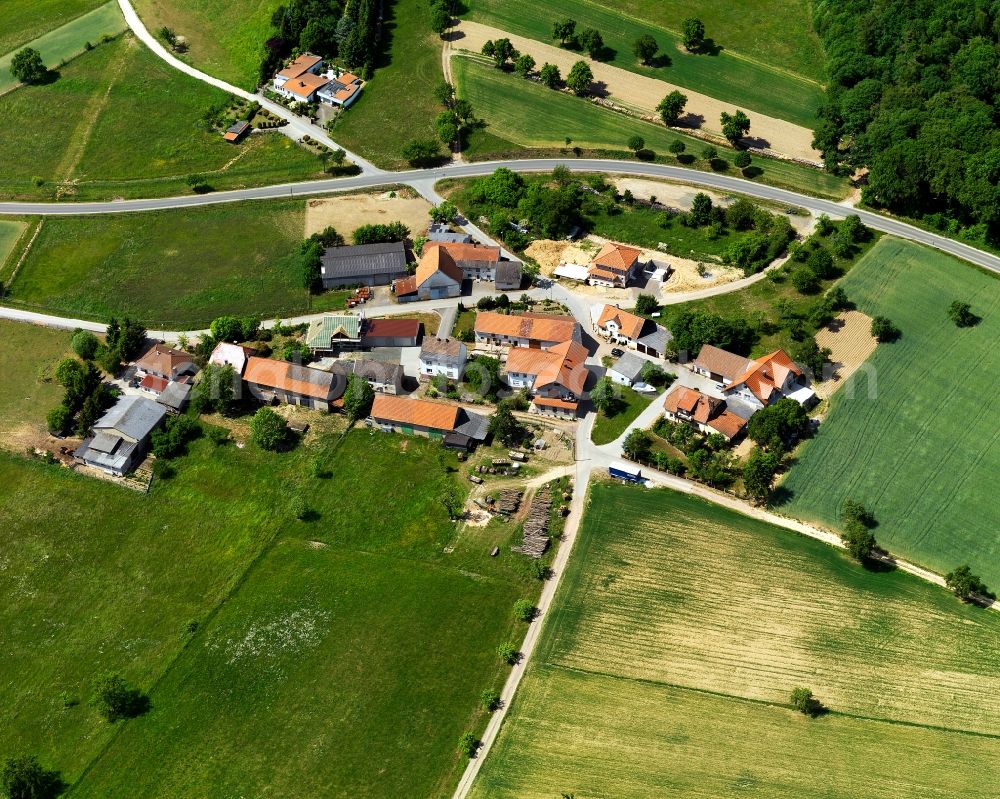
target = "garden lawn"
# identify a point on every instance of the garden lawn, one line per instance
(225, 37)
(630, 405)
(58, 45)
(173, 270)
(680, 630)
(341, 656)
(138, 133)
(529, 115)
(747, 84)
(924, 452)
(398, 104)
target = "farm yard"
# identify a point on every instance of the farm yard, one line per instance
(522, 114)
(122, 143)
(254, 631)
(649, 678)
(924, 453)
(195, 264)
(751, 85)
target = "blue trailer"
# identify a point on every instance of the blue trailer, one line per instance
(625, 471)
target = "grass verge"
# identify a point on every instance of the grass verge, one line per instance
(608, 427)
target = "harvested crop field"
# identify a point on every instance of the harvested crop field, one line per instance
(678, 634)
(644, 93)
(851, 343)
(348, 212)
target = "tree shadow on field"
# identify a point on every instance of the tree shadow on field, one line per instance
(755, 141)
(752, 172)
(691, 120)
(781, 496)
(599, 89)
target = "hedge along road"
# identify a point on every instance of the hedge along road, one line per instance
(423, 180)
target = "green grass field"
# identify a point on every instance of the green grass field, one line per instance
(171, 269)
(778, 33)
(403, 84)
(748, 84)
(69, 25)
(925, 453)
(342, 656)
(143, 137)
(677, 636)
(225, 37)
(10, 232)
(608, 428)
(28, 389)
(522, 114)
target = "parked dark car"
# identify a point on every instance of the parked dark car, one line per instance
(617, 353)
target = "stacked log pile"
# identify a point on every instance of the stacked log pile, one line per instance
(536, 525)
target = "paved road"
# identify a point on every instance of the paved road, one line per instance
(422, 179)
(296, 124)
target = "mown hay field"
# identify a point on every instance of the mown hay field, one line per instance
(173, 270)
(681, 629)
(751, 85)
(923, 450)
(524, 114)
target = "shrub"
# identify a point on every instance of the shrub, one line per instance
(171, 440)
(468, 744)
(646, 304)
(964, 584)
(115, 699)
(490, 699)
(883, 329)
(805, 280)
(85, 344)
(59, 420)
(24, 778)
(507, 652)
(961, 314)
(804, 702)
(267, 429)
(524, 610)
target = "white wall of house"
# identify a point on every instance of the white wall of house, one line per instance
(434, 369)
(521, 380)
(619, 378)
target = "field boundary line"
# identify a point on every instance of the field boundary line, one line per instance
(24, 254)
(581, 493)
(764, 702)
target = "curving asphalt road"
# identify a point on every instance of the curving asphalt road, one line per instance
(422, 180)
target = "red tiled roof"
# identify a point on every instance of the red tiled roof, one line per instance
(299, 66)
(419, 413)
(766, 375)
(405, 285)
(536, 327)
(466, 252)
(305, 85)
(392, 328)
(727, 423)
(163, 360)
(616, 257)
(291, 377)
(629, 324)
(436, 260)
(692, 402)
(549, 402)
(154, 383)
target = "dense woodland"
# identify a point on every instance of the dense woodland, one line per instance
(912, 95)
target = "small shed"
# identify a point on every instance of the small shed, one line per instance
(237, 131)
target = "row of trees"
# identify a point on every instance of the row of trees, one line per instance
(645, 47)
